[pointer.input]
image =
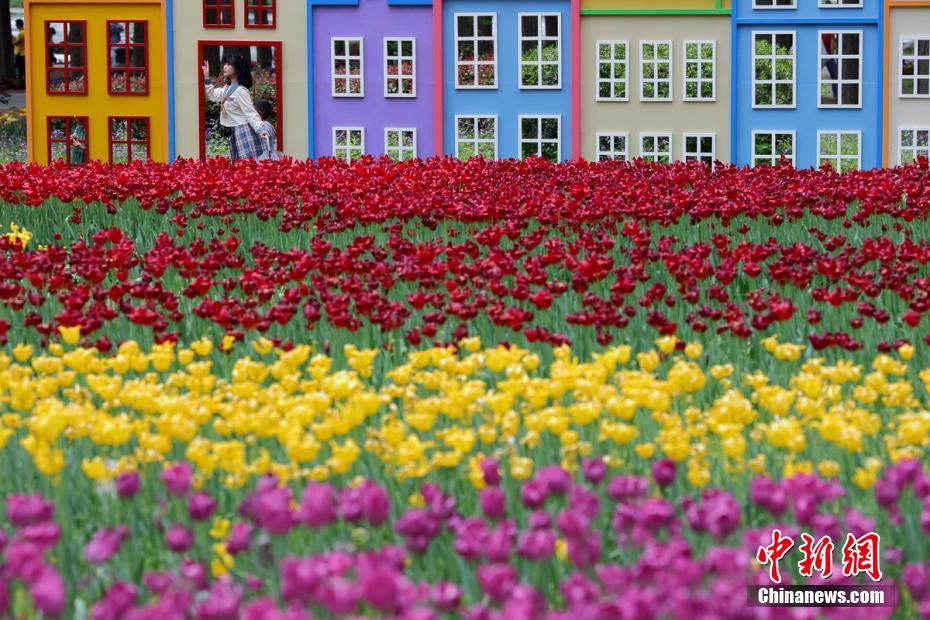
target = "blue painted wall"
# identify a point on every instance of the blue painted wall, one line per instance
(806, 119)
(507, 101)
(808, 9)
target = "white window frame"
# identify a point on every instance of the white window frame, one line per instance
(656, 80)
(400, 58)
(348, 130)
(644, 155)
(400, 148)
(476, 140)
(835, 160)
(539, 141)
(839, 81)
(914, 150)
(916, 57)
(775, 81)
(475, 64)
(540, 39)
(842, 5)
(759, 7)
(697, 155)
(774, 157)
(611, 153)
(613, 66)
(685, 80)
(347, 57)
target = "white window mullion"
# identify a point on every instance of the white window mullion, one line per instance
(840, 149)
(400, 67)
(347, 67)
(400, 144)
(612, 70)
(476, 50)
(913, 142)
(700, 147)
(841, 60)
(768, 147)
(656, 147)
(655, 70)
(540, 136)
(700, 70)
(774, 69)
(348, 143)
(540, 50)
(613, 146)
(914, 67)
(476, 136)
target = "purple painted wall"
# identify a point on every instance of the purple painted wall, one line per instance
(372, 20)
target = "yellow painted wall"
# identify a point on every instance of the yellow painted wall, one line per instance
(98, 105)
(654, 5)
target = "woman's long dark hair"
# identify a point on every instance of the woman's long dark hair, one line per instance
(243, 73)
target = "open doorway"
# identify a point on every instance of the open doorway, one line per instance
(265, 59)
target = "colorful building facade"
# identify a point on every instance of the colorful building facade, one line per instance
(97, 80)
(838, 82)
(509, 78)
(272, 34)
(372, 85)
(808, 82)
(655, 80)
(907, 84)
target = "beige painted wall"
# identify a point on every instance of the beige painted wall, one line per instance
(634, 116)
(905, 112)
(291, 31)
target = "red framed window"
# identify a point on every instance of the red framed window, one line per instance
(128, 57)
(260, 13)
(219, 14)
(67, 139)
(66, 57)
(129, 139)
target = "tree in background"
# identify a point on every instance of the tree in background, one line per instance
(7, 65)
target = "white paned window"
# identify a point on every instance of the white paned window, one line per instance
(915, 67)
(540, 136)
(400, 67)
(613, 146)
(400, 144)
(773, 4)
(476, 136)
(840, 76)
(540, 50)
(840, 4)
(913, 142)
(348, 143)
(768, 147)
(656, 147)
(655, 65)
(700, 65)
(773, 75)
(347, 67)
(612, 71)
(700, 147)
(841, 149)
(476, 50)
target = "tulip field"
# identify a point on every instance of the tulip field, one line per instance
(438, 389)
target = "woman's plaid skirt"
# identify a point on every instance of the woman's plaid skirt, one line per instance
(244, 143)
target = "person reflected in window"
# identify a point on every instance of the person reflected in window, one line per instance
(19, 50)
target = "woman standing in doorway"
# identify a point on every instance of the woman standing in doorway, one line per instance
(237, 112)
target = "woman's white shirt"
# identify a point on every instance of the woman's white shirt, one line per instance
(238, 108)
